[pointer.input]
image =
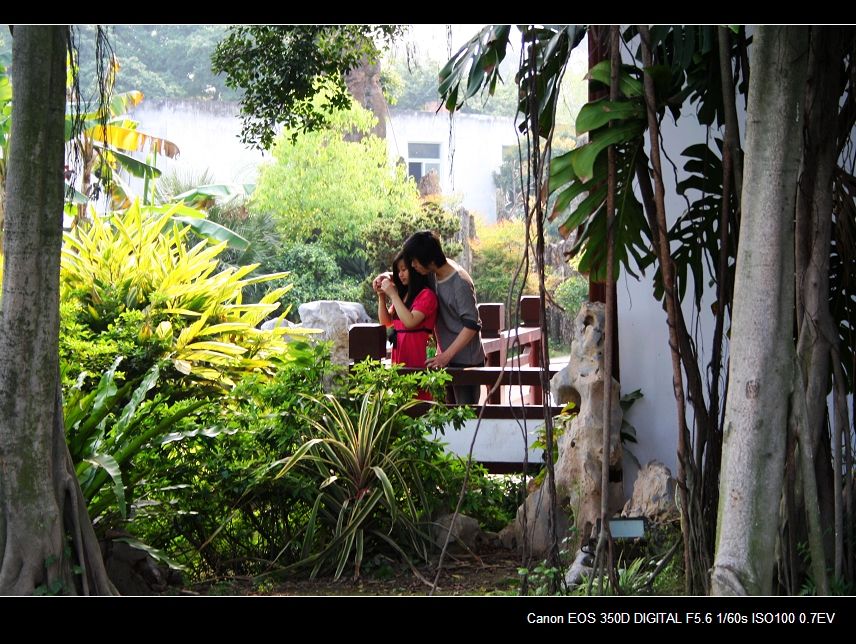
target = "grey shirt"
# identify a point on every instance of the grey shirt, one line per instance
(456, 300)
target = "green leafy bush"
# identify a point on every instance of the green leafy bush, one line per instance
(152, 338)
(222, 510)
(496, 255)
(385, 237)
(314, 275)
(571, 294)
(326, 188)
(138, 261)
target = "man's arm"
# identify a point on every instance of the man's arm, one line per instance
(443, 358)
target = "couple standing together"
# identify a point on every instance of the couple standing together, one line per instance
(429, 293)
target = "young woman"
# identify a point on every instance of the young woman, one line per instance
(412, 314)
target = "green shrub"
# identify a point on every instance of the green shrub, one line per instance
(218, 508)
(152, 338)
(385, 237)
(326, 188)
(138, 261)
(314, 275)
(496, 256)
(571, 294)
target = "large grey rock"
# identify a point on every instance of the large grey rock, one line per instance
(134, 571)
(334, 318)
(354, 312)
(536, 520)
(270, 325)
(466, 533)
(653, 495)
(578, 469)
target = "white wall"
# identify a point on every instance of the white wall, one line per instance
(642, 331)
(498, 440)
(206, 133)
(476, 142)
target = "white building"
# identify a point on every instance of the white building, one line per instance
(207, 134)
(465, 152)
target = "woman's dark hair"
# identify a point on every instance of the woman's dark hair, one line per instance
(424, 246)
(415, 284)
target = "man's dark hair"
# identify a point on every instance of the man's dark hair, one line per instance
(425, 247)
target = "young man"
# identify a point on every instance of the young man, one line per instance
(458, 324)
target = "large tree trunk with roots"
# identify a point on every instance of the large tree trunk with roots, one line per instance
(45, 531)
(762, 348)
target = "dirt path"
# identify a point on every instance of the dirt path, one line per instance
(493, 572)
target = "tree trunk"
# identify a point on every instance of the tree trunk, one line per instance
(816, 330)
(762, 348)
(695, 551)
(45, 531)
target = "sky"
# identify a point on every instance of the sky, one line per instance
(431, 41)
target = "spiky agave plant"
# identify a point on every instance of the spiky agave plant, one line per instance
(366, 487)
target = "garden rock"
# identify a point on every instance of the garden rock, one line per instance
(334, 318)
(466, 533)
(536, 508)
(653, 495)
(134, 571)
(582, 566)
(578, 468)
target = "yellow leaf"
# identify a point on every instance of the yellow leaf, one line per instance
(129, 140)
(164, 330)
(182, 366)
(222, 347)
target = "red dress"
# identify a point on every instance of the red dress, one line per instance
(411, 343)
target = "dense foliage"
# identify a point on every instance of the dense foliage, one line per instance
(279, 69)
(152, 337)
(162, 61)
(385, 237)
(327, 190)
(225, 510)
(414, 87)
(497, 253)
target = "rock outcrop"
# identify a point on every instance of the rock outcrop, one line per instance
(578, 469)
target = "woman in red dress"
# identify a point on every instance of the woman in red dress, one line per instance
(412, 314)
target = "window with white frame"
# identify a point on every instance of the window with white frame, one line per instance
(422, 158)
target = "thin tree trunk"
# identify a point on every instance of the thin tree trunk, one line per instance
(762, 350)
(608, 345)
(816, 333)
(842, 421)
(787, 558)
(729, 104)
(814, 224)
(732, 168)
(40, 499)
(687, 478)
(799, 421)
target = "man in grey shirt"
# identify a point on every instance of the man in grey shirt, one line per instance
(458, 324)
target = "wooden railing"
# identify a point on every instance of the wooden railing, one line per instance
(499, 344)
(506, 410)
